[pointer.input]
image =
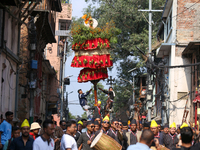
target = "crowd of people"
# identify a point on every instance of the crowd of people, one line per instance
(79, 135)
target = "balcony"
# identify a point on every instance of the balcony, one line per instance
(49, 5)
(43, 6)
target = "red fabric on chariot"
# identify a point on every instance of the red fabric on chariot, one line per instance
(92, 44)
(88, 74)
(95, 61)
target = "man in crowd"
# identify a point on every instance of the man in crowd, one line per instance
(84, 129)
(159, 128)
(125, 126)
(68, 142)
(170, 139)
(78, 132)
(186, 137)
(99, 121)
(83, 100)
(63, 125)
(105, 126)
(133, 136)
(146, 140)
(146, 126)
(45, 142)
(96, 126)
(6, 129)
(35, 127)
(115, 131)
(24, 142)
(158, 135)
(166, 129)
(86, 138)
(120, 124)
(98, 111)
(15, 134)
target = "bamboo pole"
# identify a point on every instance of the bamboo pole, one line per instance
(95, 90)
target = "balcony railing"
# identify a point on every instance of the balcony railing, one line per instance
(44, 5)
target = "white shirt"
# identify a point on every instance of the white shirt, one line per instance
(40, 144)
(68, 141)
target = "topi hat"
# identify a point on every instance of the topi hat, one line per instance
(35, 125)
(184, 125)
(133, 121)
(106, 118)
(173, 125)
(153, 124)
(80, 122)
(25, 123)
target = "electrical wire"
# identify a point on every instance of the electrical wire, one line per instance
(186, 9)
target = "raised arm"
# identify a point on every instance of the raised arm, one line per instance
(106, 92)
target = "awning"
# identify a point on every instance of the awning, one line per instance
(42, 22)
(164, 50)
(191, 47)
(167, 8)
(47, 67)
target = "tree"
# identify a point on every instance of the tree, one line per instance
(71, 116)
(84, 115)
(134, 27)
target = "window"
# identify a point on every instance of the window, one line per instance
(169, 23)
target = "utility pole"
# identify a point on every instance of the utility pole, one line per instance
(149, 82)
(33, 65)
(62, 83)
(110, 81)
(65, 33)
(133, 89)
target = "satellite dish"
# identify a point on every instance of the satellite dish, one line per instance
(95, 23)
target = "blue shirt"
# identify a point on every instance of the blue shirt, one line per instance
(83, 99)
(138, 146)
(6, 130)
(18, 144)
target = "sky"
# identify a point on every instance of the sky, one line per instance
(77, 7)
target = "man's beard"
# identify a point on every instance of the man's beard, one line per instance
(25, 135)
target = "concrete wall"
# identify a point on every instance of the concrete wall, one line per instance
(185, 28)
(7, 66)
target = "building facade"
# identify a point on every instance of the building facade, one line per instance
(54, 52)
(178, 28)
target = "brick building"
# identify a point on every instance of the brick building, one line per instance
(178, 29)
(54, 52)
(44, 75)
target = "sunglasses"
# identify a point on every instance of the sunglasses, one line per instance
(92, 126)
(116, 123)
(64, 125)
(106, 122)
(120, 124)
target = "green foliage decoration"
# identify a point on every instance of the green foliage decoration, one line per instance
(80, 33)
